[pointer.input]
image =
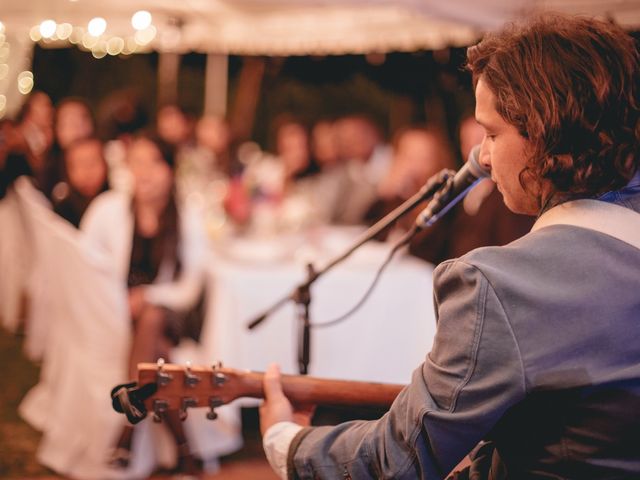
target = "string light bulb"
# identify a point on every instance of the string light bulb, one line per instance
(48, 28)
(96, 26)
(141, 20)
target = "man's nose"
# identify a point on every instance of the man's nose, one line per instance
(485, 157)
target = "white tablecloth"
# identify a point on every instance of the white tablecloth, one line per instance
(383, 341)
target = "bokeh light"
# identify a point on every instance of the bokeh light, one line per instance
(115, 46)
(97, 26)
(25, 82)
(144, 37)
(4, 52)
(89, 41)
(64, 31)
(34, 33)
(48, 28)
(141, 20)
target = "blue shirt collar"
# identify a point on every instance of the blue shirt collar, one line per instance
(632, 188)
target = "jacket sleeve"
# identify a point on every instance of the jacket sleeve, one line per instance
(472, 375)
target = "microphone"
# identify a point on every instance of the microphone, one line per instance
(454, 190)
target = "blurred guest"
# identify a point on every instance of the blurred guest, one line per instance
(328, 186)
(214, 136)
(276, 185)
(483, 219)
(367, 161)
(208, 160)
(419, 153)
(73, 120)
(324, 147)
(204, 169)
(85, 177)
(14, 152)
(294, 151)
(120, 115)
(173, 125)
(157, 248)
(35, 120)
(35, 124)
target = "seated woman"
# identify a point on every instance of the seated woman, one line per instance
(157, 249)
(85, 177)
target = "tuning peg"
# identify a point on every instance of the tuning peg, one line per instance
(190, 380)
(160, 407)
(162, 378)
(187, 402)
(214, 402)
(212, 415)
(218, 378)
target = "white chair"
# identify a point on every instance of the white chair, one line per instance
(86, 354)
(87, 345)
(14, 260)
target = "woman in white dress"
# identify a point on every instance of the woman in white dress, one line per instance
(156, 248)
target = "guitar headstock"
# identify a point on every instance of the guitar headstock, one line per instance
(182, 387)
(162, 387)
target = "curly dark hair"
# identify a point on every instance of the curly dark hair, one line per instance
(571, 86)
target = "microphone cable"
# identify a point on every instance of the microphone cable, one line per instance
(404, 240)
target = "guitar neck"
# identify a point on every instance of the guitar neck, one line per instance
(204, 386)
(319, 391)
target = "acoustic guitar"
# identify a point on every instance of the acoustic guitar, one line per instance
(162, 387)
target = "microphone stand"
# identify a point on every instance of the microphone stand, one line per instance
(301, 295)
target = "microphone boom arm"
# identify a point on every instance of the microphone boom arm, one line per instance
(433, 185)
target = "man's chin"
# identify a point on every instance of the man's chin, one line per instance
(518, 209)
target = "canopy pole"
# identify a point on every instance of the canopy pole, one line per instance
(216, 85)
(168, 68)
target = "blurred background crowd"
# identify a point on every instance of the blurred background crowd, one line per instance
(271, 165)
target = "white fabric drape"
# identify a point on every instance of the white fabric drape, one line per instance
(86, 349)
(14, 261)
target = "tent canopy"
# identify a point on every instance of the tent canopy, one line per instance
(294, 27)
(262, 27)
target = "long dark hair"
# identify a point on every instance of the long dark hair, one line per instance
(167, 240)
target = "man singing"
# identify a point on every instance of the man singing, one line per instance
(536, 359)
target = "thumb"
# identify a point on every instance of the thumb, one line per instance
(272, 382)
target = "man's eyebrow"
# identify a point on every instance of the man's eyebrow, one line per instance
(481, 122)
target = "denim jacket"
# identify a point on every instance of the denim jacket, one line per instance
(537, 349)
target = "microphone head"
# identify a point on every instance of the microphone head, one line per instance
(474, 166)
